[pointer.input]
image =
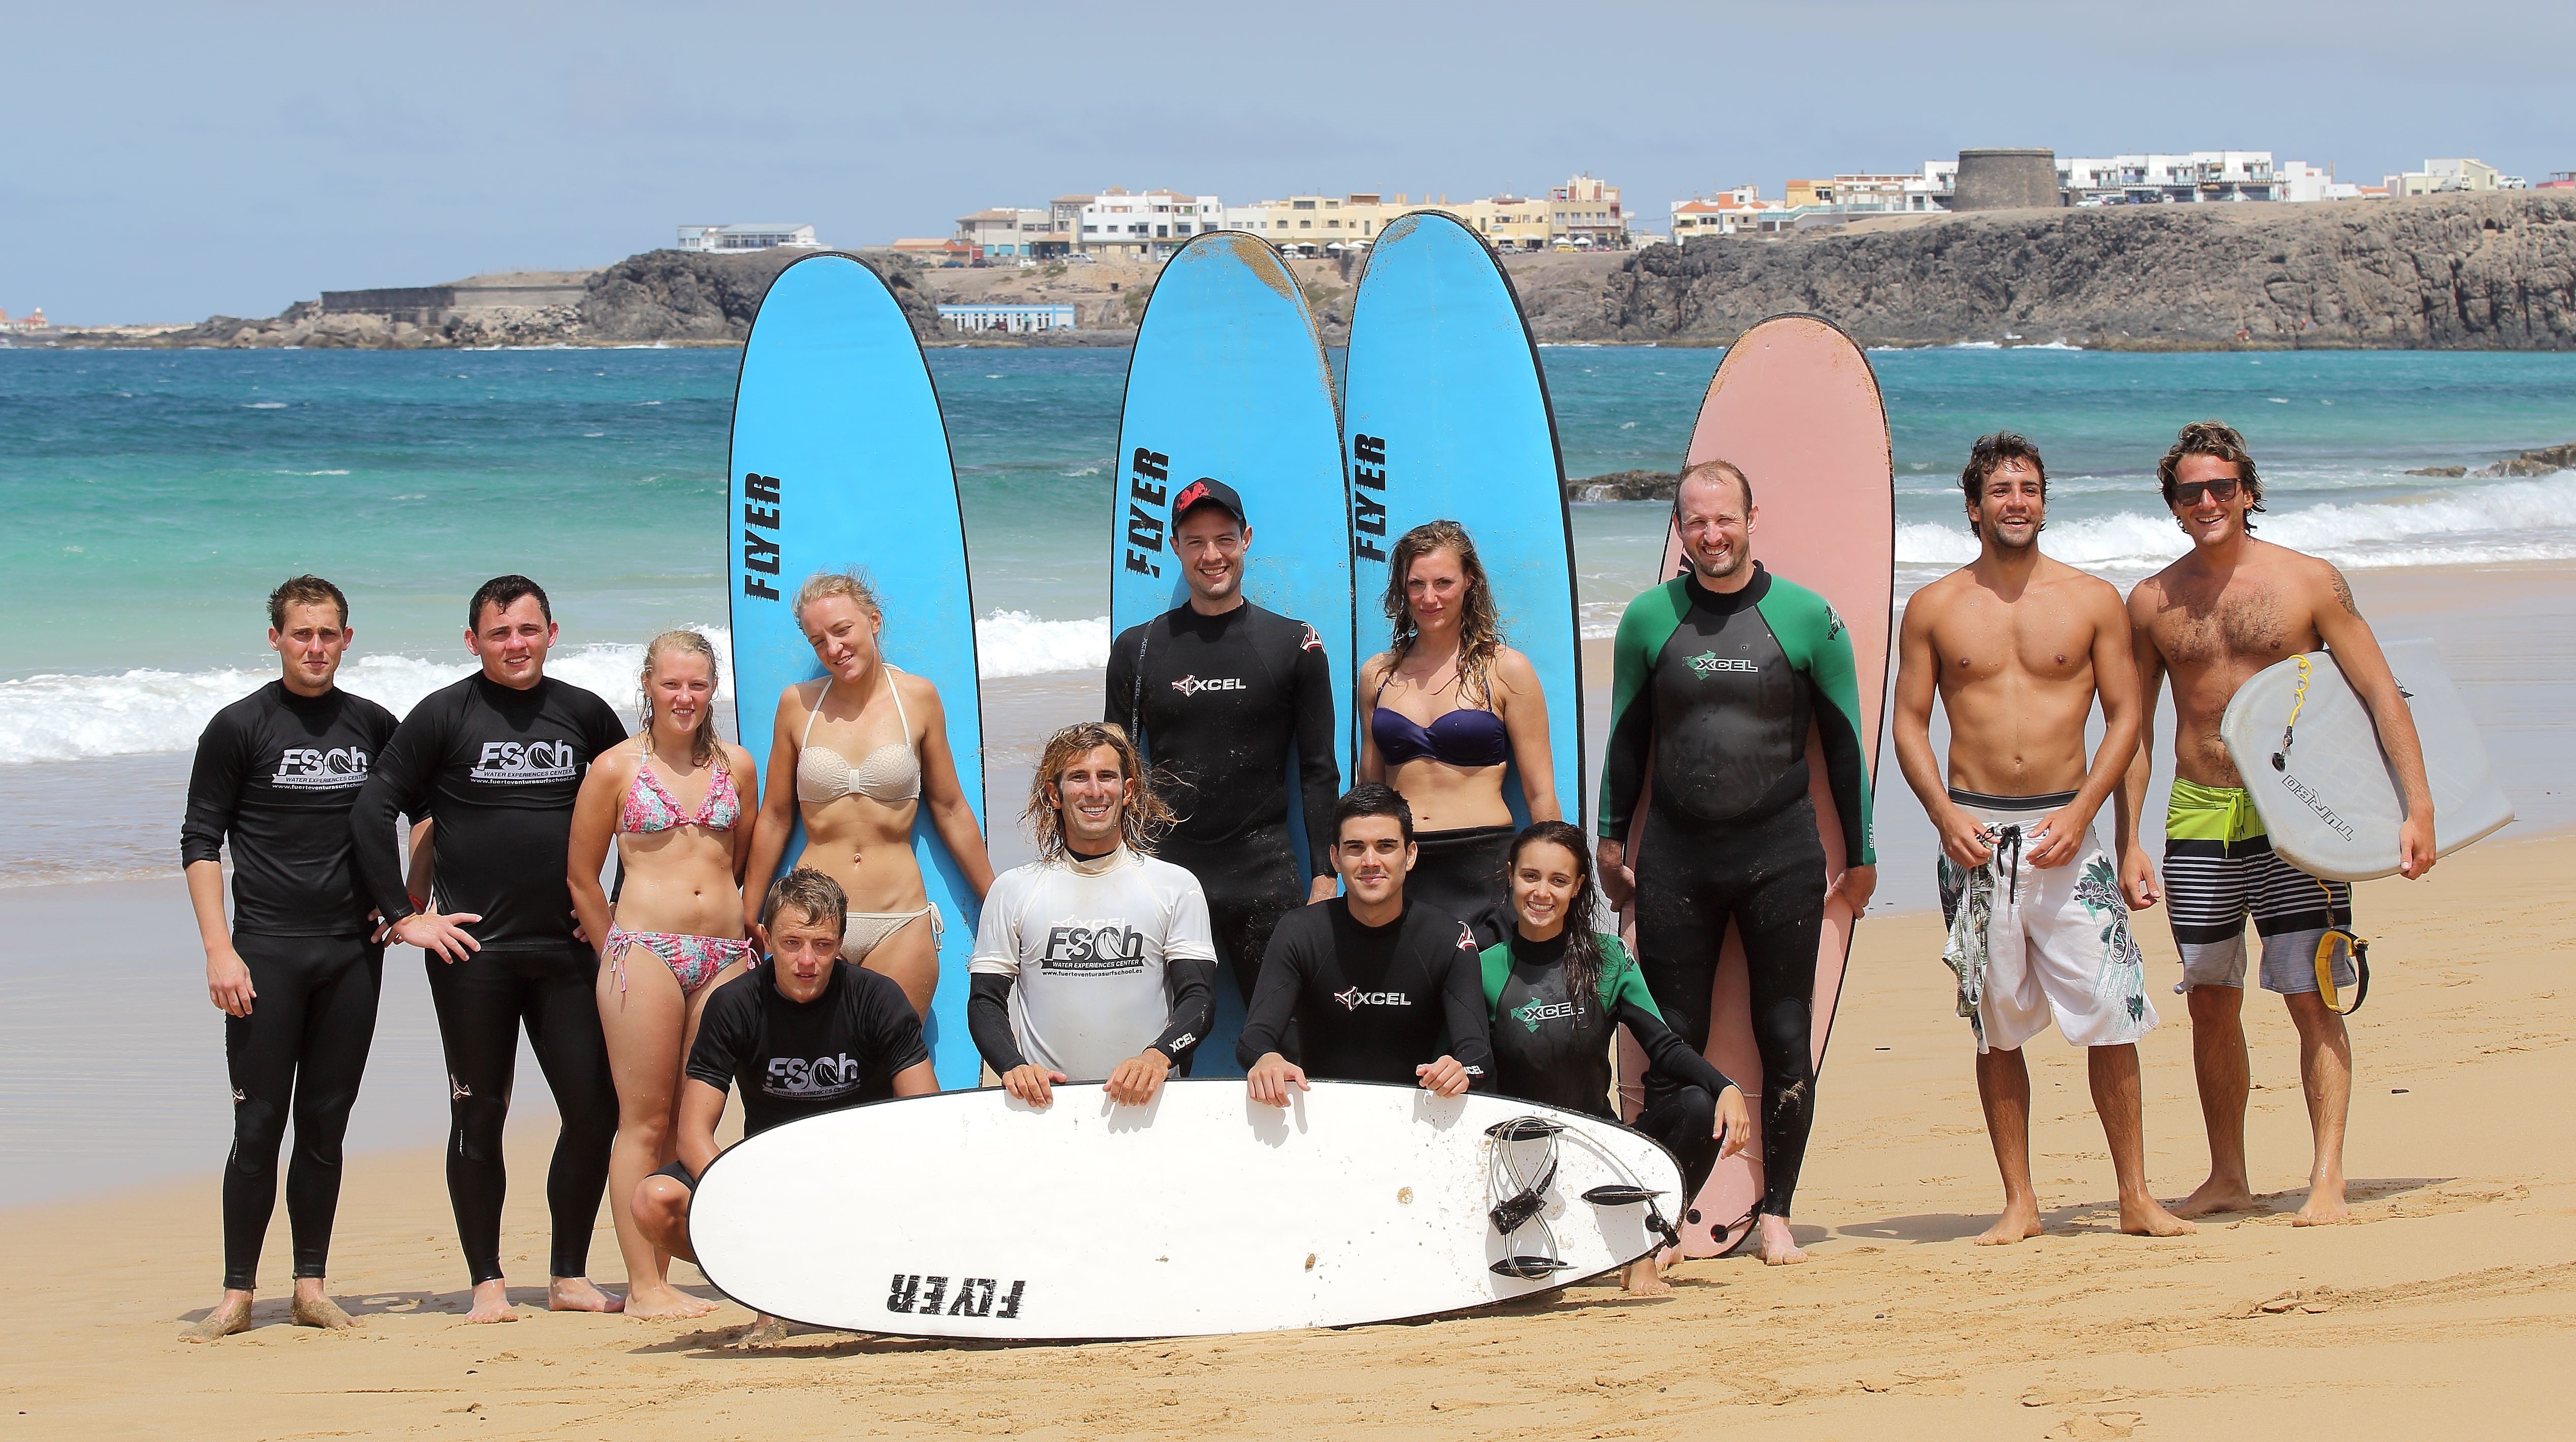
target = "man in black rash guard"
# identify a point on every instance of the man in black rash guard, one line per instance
(495, 761)
(1215, 692)
(1716, 677)
(800, 1034)
(1362, 987)
(297, 972)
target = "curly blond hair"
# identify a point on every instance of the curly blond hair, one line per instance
(1140, 824)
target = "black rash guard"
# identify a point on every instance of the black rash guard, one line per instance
(497, 768)
(1554, 1048)
(277, 774)
(1216, 702)
(800, 1059)
(1720, 687)
(1369, 1003)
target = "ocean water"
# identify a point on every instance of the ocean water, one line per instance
(151, 499)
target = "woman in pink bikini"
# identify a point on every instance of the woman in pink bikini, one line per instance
(672, 800)
(857, 755)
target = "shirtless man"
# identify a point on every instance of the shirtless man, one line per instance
(2017, 646)
(2231, 607)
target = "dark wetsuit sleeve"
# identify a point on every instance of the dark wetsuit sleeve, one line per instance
(988, 1021)
(1192, 985)
(1819, 645)
(1273, 1010)
(1470, 1021)
(397, 786)
(214, 790)
(1319, 772)
(1120, 710)
(1634, 1006)
(1644, 627)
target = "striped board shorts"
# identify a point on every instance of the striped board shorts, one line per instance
(2220, 869)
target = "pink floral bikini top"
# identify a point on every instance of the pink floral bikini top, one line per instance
(651, 807)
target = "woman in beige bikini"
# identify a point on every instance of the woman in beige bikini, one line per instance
(856, 755)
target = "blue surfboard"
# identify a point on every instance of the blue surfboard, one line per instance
(1228, 380)
(1446, 415)
(840, 458)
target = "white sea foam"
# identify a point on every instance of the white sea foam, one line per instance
(67, 718)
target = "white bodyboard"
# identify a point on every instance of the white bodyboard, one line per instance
(2330, 801)
(970, 1214)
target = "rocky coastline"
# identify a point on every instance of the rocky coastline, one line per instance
(2446, 272)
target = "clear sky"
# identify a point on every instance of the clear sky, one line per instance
(164, 161)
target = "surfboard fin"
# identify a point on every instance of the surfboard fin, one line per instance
(1619, 1195)
(1530, 1269)
(1523, 1129)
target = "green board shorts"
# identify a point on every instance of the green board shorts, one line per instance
(2219, 870)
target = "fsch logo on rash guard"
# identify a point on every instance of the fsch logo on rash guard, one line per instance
(525, 763)
(1110, 947)
(823, 1076)
(304, 768)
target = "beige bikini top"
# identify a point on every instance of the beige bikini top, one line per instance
(890, 774)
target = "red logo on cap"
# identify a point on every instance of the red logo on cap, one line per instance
(1191, 495)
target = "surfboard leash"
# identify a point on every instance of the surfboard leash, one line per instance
(1517, 1185)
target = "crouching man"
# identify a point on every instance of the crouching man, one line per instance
(802, 1033)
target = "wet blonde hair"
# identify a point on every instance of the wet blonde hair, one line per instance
(702, 741)
(1480, 627)
(1141, 822)
(852, 584)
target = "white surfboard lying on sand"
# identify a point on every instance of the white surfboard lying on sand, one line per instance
(969, 1214)
(2329, 797)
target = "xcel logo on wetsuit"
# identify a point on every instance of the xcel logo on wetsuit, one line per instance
(1530, 1014)
(1192, 685)
(1354, 998)
(1709, 663)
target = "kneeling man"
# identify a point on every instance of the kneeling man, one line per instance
(2018, 646)
(1369, 982)
(1093, 962)
(802, 1033)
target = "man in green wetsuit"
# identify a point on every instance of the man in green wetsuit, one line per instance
(1718, 675)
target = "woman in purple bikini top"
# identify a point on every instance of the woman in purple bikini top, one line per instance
(1453, 712)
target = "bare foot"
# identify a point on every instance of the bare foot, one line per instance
(764, 1331)
(2146, 1217)
(230, 1315)
(2019, 1223)
(2325, 1205)
(577, 1294)
(1779, 1248)
(1644, 1277)
(656, 1304)
(2216, 1195)
(492, 1303)
(315, 1309)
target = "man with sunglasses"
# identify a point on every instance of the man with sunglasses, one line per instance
(2231, 607)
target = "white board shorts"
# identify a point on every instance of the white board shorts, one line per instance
(2035, 944)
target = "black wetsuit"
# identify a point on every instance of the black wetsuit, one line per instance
(1720, 689)
(276, 774)
(497, 769)
(1554, 1048)
(1348, 1002)
(800, 1059)
(1217, 703)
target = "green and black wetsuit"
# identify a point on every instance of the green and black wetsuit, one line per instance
(1553, 1047)
(1714, 696)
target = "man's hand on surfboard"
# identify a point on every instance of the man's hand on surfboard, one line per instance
(1855, 886)
(1271, 1077)
(2415, 845)
(1446, 1077)
(1138, 1078)
(1032, 1083)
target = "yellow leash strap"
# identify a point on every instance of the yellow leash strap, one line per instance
(2298, 703)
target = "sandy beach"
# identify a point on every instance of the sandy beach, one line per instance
(2445, 1298)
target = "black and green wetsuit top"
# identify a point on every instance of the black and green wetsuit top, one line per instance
(1553, 1048)
(1718, 689)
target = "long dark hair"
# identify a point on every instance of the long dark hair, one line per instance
(1582, 944)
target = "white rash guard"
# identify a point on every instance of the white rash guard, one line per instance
(1096, 956)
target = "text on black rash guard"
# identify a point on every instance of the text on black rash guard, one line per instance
(1216, 703)
(277, 773)
(1369, 1003)
(1553, 1048)
(497, 768)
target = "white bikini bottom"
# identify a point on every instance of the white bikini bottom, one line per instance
(867, 930)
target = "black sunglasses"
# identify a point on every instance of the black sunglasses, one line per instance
(2188, 493)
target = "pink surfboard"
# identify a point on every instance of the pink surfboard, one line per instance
(1794, 405)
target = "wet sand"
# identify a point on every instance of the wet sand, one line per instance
(2451, 1295)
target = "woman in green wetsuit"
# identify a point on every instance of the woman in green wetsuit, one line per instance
(1559, 993)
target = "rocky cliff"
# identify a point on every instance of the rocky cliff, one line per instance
(2484, 272)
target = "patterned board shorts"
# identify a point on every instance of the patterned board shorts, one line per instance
(2033, 944)
(2219, 869)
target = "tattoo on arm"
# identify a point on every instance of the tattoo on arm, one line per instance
(2343, 592)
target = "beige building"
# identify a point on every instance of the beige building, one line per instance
(2442, 175)
(1003, 233)
(1510, 222)
(1586, 214)
(1319, 224)
(1726, 213)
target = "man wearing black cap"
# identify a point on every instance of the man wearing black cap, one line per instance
(1217, 693)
